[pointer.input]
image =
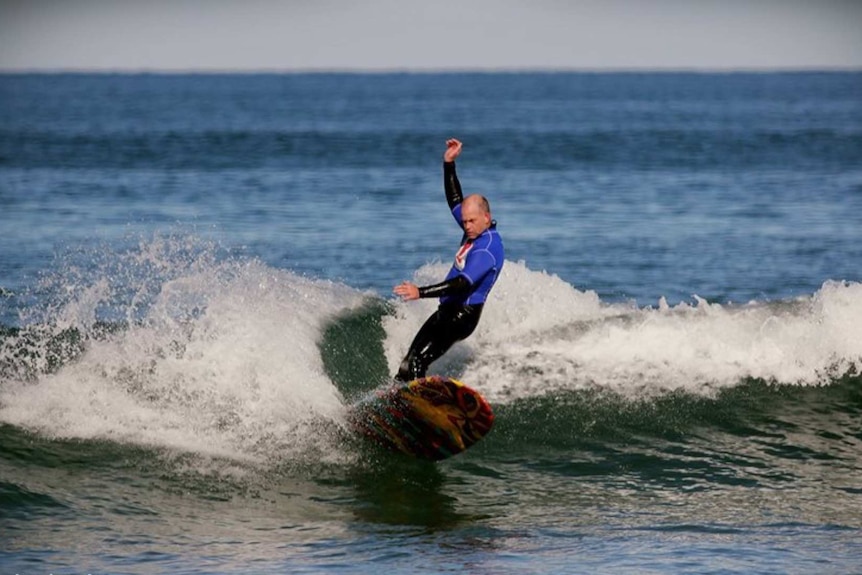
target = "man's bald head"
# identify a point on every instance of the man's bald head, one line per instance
(475, 215)
(481, 202)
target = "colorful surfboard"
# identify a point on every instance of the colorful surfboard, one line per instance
(430, 418)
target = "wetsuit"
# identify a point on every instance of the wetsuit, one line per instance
(462, 294)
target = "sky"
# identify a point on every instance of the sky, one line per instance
(410, 35)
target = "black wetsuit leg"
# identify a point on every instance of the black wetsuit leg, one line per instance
(449, 324)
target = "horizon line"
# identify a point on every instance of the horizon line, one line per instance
(434, 70)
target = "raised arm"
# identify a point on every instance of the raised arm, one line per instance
(451, 185)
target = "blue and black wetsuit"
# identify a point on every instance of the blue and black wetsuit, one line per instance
(462, 294)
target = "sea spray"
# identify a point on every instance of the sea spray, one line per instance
(208, 354)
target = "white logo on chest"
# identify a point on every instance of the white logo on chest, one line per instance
(461, 256)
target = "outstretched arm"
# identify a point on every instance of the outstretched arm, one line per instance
(451, 185)
(455, 286)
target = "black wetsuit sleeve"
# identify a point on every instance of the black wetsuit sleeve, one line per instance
(458, 285)
(451, 185)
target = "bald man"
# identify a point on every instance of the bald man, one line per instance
(463, 293)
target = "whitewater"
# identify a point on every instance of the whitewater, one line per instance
(223, 358)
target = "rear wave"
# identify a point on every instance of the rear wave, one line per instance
(540, 335)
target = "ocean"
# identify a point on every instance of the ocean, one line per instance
(196, 279)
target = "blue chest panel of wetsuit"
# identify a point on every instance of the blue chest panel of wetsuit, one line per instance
(479, 261)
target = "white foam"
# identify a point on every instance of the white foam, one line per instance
(539, 334)
(224, 362)
(222, 359)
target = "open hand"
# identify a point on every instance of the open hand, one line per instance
(407, 291)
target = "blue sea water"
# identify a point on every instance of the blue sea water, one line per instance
(195, 284)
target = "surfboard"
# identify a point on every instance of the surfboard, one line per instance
(429, 418)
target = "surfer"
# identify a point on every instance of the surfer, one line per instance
(463, 293)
